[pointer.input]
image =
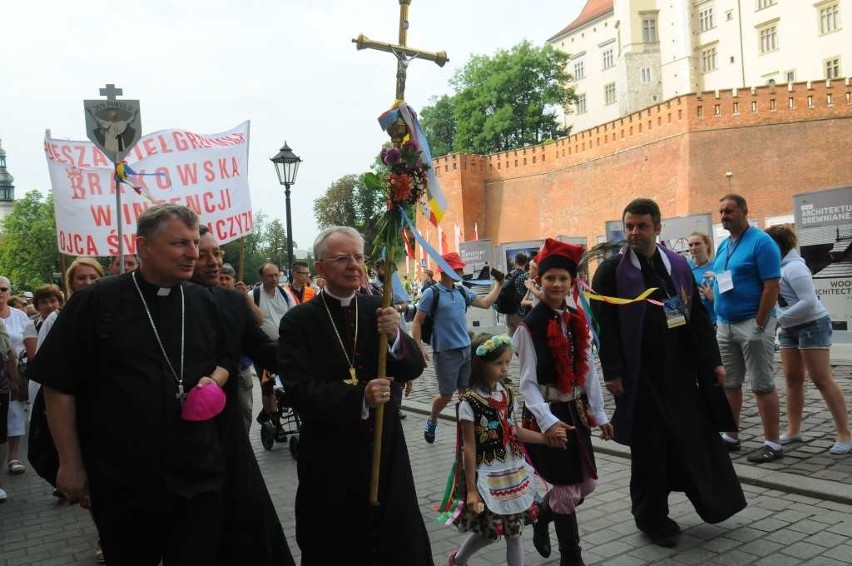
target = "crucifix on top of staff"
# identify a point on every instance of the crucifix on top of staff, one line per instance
(407, 182)
(115, 126)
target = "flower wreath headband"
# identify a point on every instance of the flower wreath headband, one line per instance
(492, 344)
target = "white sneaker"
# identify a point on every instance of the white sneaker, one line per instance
(3, 496)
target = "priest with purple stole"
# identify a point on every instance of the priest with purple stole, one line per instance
(661, 362)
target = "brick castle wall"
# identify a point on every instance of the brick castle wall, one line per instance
(777, 141)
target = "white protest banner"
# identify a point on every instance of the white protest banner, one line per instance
(206, 172)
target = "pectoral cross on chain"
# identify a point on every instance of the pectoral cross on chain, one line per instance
(353, 379)
(402, 52)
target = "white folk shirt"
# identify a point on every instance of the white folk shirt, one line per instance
(533, 398)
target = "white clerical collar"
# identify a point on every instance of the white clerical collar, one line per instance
(161, 291)
(344, 301)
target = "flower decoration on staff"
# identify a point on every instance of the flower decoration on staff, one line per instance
(492, 344)
(408, 177)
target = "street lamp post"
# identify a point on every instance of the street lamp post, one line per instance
(286, 166)
(729, 175)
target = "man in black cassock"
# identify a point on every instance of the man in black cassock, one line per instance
(662, 364)
(323, 344)
(114, 368)
(253, 533)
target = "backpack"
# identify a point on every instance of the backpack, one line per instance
(427, 329)
(508, 300)
(255, 293)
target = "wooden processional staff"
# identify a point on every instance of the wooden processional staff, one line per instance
(398, 131)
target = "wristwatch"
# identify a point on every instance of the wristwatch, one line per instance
(759, 328)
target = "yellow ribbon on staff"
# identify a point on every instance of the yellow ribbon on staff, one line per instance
(619, 300)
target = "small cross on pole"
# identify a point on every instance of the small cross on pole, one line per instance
(110, 92)
(404, 55)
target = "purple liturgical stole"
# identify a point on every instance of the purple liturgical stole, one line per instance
(629, 284)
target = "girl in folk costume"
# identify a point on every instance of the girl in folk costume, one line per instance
(499, 494)
(562, 396)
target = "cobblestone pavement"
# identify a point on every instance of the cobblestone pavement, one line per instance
(777, 528)
(809, 458)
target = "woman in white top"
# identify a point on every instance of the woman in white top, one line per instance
(47, 299)
(805, 343)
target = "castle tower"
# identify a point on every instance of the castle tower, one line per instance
(7, 189)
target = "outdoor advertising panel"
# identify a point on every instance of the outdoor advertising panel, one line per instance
(824, 228)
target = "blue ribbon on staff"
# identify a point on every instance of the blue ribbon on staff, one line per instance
(587, 310)
(432, 252)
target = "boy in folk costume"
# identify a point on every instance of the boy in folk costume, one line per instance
(562, 394)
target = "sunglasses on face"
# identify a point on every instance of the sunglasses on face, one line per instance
(3, 289)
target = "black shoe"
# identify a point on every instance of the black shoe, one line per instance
(262, 417)
(732, 444)
(665, 534)
(765, 454)
(541, 537)
(541, 530)
(568, 535)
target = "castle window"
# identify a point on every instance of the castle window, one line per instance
(761, 4)
(649, 29)
(705, 19)
(580, 104)
(769, 39)
(645, 75)
(708, 59)
(829, 18)
(608, 59)
(609, 94)
(832, 68)
(579, 70)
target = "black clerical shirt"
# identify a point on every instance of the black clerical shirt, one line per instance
(103, 351)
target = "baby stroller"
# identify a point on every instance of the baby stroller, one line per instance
(284, 423)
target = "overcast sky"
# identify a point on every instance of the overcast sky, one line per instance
(288, 66)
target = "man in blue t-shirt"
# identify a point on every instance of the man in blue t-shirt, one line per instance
(748, 277)
(450, 340)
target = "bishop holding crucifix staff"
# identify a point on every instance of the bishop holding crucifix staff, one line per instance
(337, 355)
(322, 343)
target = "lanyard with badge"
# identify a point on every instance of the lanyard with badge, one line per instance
(726, 278)
(672, 306)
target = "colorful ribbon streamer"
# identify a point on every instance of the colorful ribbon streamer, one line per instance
(591, 294)
(123, 172)
(433, 253)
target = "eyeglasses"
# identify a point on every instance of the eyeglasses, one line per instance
(3, 289)
(218, 254)
(344, 260)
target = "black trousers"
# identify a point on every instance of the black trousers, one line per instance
(184, 532)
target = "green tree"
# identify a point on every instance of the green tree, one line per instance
(275, 243)
(354, 200)
(439, 124)
(504, 101)
(253, 250)
(29, 254)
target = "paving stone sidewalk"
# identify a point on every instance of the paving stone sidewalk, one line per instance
(776, 529)
(819, 472)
